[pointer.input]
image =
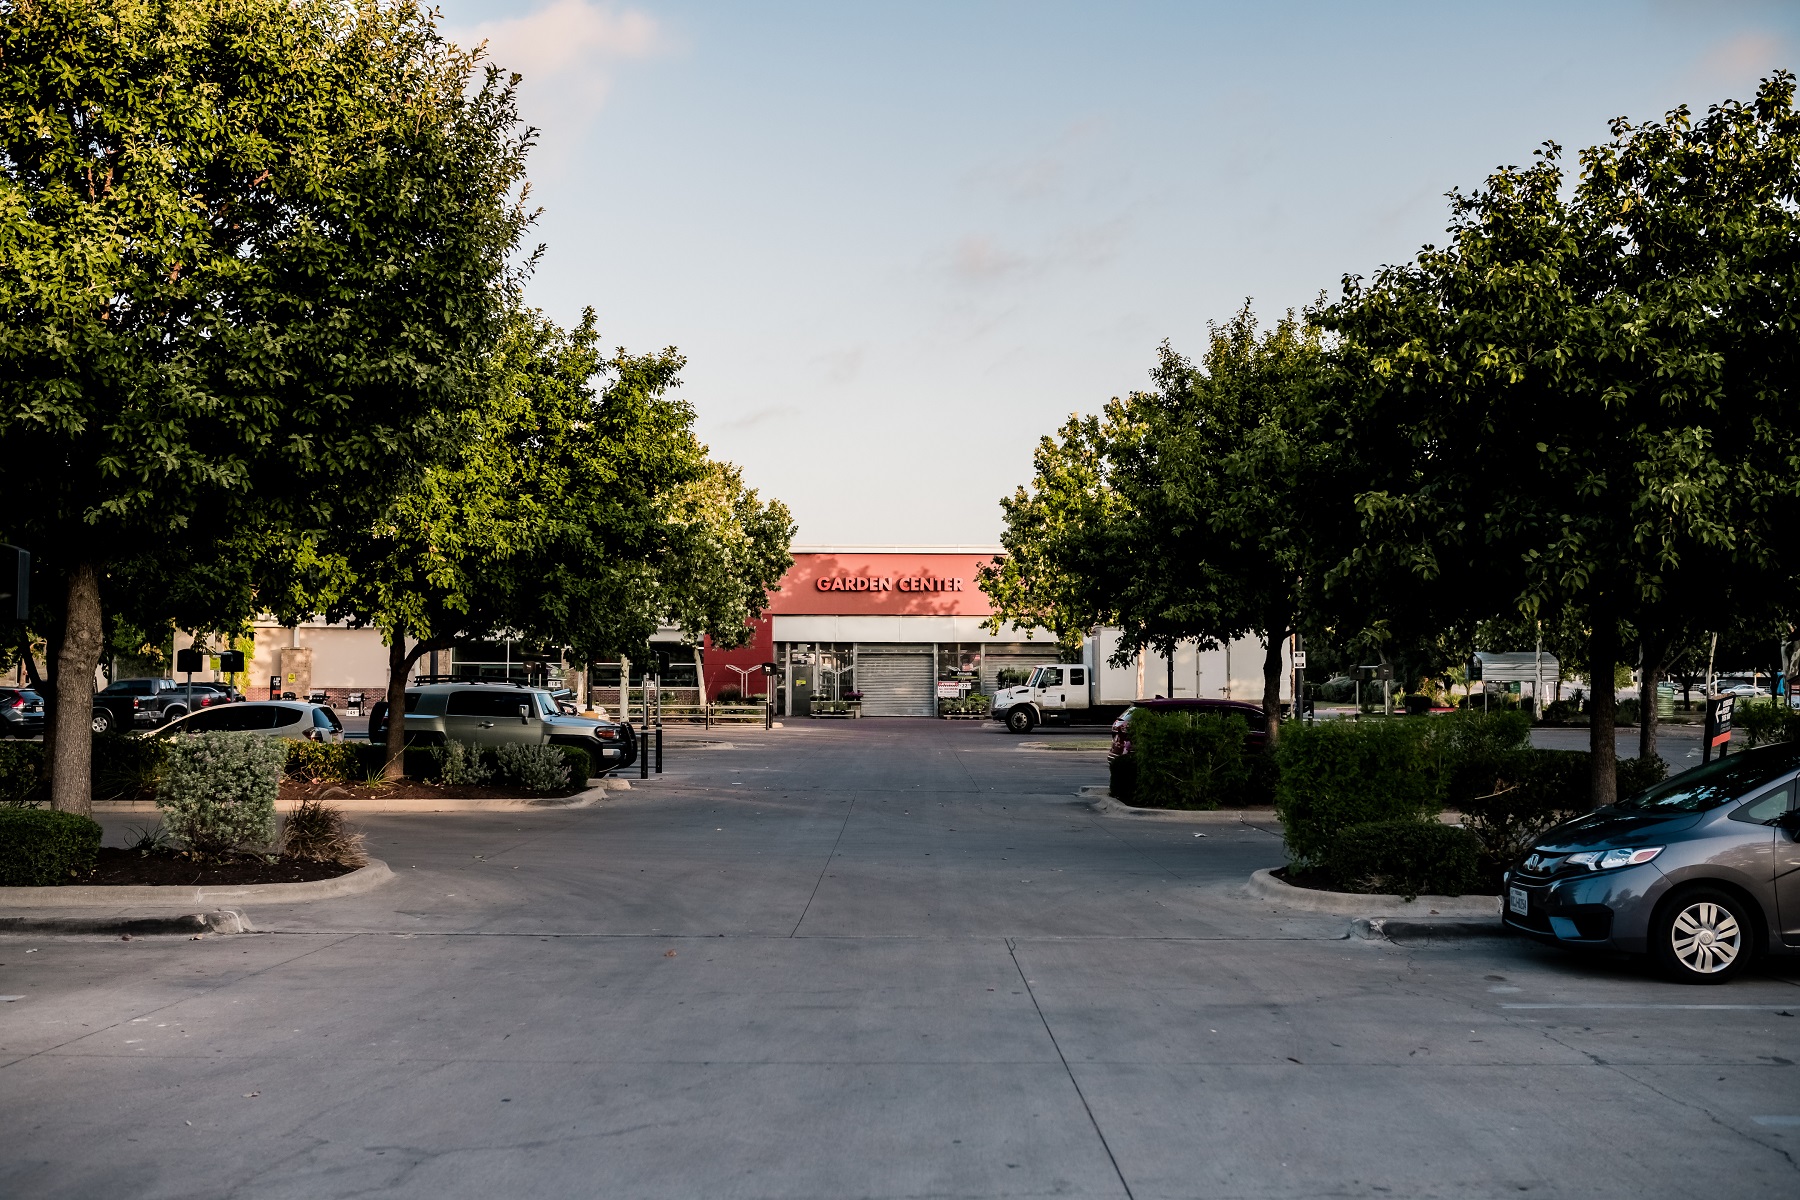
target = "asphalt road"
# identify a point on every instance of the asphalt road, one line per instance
(874, 958)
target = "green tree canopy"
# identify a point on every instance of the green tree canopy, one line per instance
(251, 252)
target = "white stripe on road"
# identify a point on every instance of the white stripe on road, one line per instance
(1731, 1007)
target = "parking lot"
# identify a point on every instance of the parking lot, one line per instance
(868, 958)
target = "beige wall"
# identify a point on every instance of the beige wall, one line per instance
(341, 657)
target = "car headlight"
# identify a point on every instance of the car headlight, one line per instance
(606, 735)
(1607, 860)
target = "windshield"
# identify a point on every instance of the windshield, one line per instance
(1716, 783)
(545, 705)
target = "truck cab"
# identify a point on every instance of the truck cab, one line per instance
(1054, 694)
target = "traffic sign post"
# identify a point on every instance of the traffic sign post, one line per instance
(15, 583)
(1718, 726)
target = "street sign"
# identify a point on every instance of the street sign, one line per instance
(231, 661)
(1718, 726)
(1299, 660)
(15, 583)
(189, 660)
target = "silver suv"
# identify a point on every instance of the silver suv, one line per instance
(494, 714)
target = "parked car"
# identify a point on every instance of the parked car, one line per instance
(21, 713)
(128, 704)
(492, 714)
(271, 718)
(1701, 872)
(1253, 715)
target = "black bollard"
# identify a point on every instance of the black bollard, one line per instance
(659, 749)
(644, 754)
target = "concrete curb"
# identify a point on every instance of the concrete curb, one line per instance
(1265, 886)
(595, 793)
(363, 879)
(1389, 929)
(1102, 802)
(224, 920)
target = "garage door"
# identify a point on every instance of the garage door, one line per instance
(897, 681)
(992, 664)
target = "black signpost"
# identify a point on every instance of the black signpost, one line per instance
(15, 583)
(1718, 726)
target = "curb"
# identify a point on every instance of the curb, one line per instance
(1264, 885)
(363, 879)
(595, 793)
(223, 920)
(1388, 929)
(1102, 802)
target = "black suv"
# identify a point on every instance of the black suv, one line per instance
(21, 713)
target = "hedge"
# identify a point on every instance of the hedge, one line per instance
(21, 771)
(1336, 774)
(1188, 759)
(580, 764)
(40, 847)
(1408, 857)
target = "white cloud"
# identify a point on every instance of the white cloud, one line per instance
(565, 52)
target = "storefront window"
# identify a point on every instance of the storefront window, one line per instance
(959, 664)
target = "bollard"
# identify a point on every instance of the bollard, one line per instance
(659, 749)
(644, 754)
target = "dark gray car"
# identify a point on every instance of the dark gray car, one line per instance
(1701, 871)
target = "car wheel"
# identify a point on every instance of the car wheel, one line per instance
(1702, 936)
(1019, 720)
(173, 714)
(102, 721)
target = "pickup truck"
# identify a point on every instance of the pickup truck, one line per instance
(128, 704)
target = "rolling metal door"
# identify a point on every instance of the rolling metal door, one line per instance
(896, 683)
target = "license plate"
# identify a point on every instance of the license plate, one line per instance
(1515, 899)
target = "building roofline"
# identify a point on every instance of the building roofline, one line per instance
(960, 549)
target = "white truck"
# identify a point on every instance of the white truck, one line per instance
(1095, 692)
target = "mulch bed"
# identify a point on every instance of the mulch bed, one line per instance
(403, 789)
(116, 866)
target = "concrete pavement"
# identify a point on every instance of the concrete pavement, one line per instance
(874, 958)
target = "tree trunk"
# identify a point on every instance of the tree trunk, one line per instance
(1652, 667)
(71, 747)
(1273, 637)
(1603, 655)
(394, 740)
(33, 679)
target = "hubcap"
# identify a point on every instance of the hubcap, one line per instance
(1706, 937)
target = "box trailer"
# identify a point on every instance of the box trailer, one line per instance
(1095, 691)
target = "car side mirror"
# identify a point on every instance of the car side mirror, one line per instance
(524, 714)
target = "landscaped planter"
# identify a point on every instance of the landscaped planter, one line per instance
(1267, 886)
(839, 710)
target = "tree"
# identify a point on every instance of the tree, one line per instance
(564, 515)
(1194, 511)
(1584, 402)
(250, 252)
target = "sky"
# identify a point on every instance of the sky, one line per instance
(899, 243)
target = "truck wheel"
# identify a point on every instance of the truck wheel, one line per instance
(1019, 720)
(102, 720)
(173, 714)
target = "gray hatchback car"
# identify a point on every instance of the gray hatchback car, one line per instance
(1701, 872)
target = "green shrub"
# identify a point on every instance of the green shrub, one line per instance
(1564, 712)
(1475, 749)
(461, 764)
(1188, 759)
(830, 706)
(1417, 705)
(1762, 722)
(21, 771)
(316, 832)
(40, 847)
(973, 704)
(1335, 774)
(536, 769)
(580, 764)
(1407, 857)
(126, 766)
(1537, 789)
(327, 762)
(217, 790)
(1628, 712)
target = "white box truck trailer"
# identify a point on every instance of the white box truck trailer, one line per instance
(1095, 692)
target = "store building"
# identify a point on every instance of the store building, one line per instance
(894, 624)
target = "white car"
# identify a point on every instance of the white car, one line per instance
(271, 718)
(1746, 690)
